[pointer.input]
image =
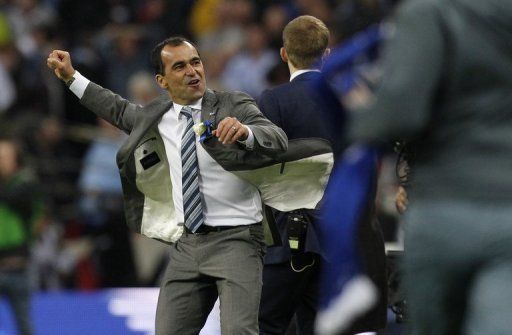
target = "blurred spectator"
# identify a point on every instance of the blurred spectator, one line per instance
(321, 9)
(25, 16)
(201, 20)
(151, 14)
(7, 88)
(274, 19)
(20, 208)
(56, 163)
(219, 45)
(142, 88)
(101, 206)
(352, 16)
(5, 29)
(247, 70)
(122, 50)
(31, 92)
(78, 17)
(175, 18)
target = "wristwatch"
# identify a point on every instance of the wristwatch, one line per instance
(70, 81)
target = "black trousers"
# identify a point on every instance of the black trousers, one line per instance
(287, 292)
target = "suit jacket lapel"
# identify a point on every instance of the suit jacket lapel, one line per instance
(209, 107)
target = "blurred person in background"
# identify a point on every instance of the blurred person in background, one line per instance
(225, 37)
(142, 88)
(291, 273)
(20, 209)
(246, 70)
(123, 51)
(101, 206)
(274, 19)
(7, 86)
(26, 17)
(56, 164)
(448, 97)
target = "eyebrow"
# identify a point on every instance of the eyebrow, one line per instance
(182, 62)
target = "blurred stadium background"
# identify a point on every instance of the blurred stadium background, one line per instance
(89, 274)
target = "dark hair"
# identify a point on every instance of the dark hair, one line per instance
(305, 40)
(156, 53)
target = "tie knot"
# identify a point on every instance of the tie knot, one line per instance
(186, 111)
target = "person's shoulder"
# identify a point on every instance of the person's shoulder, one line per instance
(278, 89)
(162, 99)
(234, 97)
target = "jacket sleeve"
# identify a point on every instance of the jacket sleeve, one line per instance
(110, 106)
(269, 107)
(269, 139)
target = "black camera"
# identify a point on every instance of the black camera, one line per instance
(297, 224)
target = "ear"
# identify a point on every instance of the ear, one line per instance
(160, 80)
(326, 54)
(283, 54)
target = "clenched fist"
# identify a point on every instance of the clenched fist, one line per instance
(60, 62)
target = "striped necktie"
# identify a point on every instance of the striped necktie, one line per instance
(192, 207)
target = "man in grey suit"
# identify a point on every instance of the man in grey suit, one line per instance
(177, 188)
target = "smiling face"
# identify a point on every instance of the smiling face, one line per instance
(183, 75)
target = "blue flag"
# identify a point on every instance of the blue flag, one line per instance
(345, 292)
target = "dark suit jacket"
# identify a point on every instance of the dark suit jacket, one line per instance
(293, 107)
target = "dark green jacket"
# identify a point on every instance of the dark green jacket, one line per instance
(20, 207)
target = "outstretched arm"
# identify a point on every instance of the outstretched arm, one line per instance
(102, 102)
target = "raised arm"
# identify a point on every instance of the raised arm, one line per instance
(102, 102)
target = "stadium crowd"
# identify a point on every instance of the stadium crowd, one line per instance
(81, 240)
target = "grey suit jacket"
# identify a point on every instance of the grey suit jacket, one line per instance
(278, 173)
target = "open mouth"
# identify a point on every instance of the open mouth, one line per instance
(193, 82)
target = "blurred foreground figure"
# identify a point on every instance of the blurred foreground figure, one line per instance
(446, 91)
(18, 209)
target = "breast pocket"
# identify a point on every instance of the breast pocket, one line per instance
(153, 178)
(147, 155)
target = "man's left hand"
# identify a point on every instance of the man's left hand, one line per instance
(230, 130)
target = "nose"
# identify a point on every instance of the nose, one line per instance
(190, 70)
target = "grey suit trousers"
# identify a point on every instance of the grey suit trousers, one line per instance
(226, 264)
(458, 268)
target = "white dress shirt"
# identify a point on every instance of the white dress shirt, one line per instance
(227, 199)
(299, 72)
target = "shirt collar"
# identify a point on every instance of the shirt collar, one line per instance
(196, 106)
(299, 72)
